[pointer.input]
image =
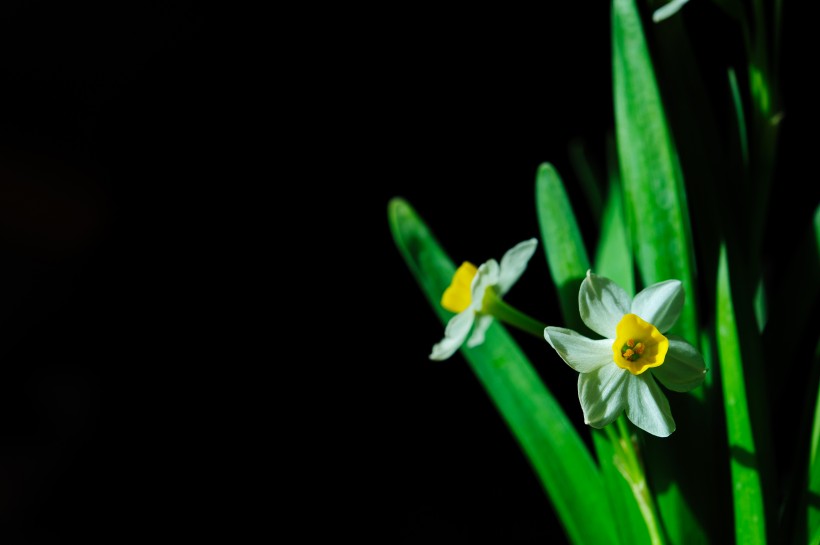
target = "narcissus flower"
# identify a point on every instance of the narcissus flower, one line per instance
(466, 295)
(618, 372)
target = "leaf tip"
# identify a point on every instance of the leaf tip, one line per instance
(546, 169)
(396, 205)
(398, 211)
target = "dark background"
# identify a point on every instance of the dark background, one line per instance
(146, 176)
(113, 180)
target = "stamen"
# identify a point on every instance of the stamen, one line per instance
(631, 350)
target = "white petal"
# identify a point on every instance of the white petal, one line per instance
(483, 322)
(602, 303)
(660, 304)
(683, 368)
(582, 354)
(667, 11)
(486, 276)
(647, 407)
(454, 334)
(602, 394)
(514, 263)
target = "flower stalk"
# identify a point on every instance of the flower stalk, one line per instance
(628, 463)
(499, 309)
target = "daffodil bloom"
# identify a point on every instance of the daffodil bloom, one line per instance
(471, 293)
(618, 372)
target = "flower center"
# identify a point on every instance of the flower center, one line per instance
(632, 350)
(638, 345)
(457, 296)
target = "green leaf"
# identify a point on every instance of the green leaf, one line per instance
(585, 174)
(815, 537)
(760, 305)
(750, 519)
(703, 146)
(801, 506)
(740, 117)
(563, 245)
(814, 474)
(631, 525)
(650, 173)
(659, 222)
(613, 257)
(560, 459)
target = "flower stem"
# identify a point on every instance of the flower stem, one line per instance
(630, 467)
(493, 304)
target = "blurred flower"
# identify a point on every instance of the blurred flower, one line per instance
(668, 10)
(465, 295)
(613, 369)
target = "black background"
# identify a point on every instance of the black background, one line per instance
(113, 154)
(176, 180)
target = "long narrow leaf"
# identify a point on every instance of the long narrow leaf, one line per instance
(563, 244)
(806, 520)
(657, 213)
(556, 452)
(613, 257)
(814, 473)
(750, 520)
(568, 263)
(585, 173)
(631, 526)
(701, 143)
(651, 176)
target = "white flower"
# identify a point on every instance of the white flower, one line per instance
(466, 297)
(613, 369)
(668, 10)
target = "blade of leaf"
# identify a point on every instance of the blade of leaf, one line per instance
(613, 257)
(813, 500)
(563, 245)
(815, 537)
(560, 459)
(585, 174)
(740, 116)
(750, 520)
(568, 263)
(650, 174)
(658, 217)
(702, 145)
(631, 525)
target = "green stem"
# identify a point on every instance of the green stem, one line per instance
(634, 475)
(630, 467)
(493, 304)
